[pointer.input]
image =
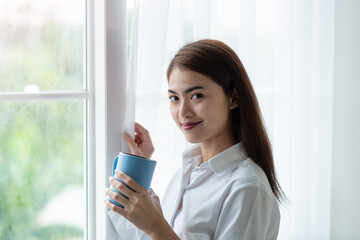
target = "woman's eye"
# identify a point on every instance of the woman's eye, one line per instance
(173, 98)
(197, 96)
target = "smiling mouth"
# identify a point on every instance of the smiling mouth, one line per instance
(189, 125)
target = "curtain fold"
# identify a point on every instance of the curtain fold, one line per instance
(302, 135)
(131, 76)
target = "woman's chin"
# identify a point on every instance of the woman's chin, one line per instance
(192, 139)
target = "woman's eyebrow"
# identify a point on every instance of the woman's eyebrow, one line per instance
(187, 90)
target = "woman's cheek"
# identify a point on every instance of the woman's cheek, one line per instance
(204, 108)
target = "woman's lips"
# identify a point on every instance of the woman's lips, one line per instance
(189, 125)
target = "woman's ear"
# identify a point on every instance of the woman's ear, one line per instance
(234, 100)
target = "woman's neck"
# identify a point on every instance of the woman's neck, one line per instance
(209, 149)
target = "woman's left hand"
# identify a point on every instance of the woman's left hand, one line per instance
(142, 208)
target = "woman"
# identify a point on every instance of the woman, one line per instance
(227, 187)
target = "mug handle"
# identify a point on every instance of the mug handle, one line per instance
(115, 164)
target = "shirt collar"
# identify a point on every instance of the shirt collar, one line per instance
(192, 151)
(220, 163)
(192, 157)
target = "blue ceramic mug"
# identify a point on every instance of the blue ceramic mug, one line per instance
(138, 168)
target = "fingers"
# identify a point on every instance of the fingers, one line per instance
(138, 140)
(117, 197)
(140, 129)
(142, 134)
(129, 181)
(130, 142)
(115, 208)
(120, 187)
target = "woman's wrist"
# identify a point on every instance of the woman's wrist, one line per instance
(163, 231)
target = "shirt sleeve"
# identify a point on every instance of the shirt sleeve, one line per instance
(248, 212)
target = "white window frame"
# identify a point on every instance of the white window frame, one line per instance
(106, 36)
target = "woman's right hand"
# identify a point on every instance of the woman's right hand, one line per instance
(142, 145)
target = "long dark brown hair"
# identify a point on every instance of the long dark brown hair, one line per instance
(219, 62)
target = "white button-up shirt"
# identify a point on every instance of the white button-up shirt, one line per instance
(225, 198)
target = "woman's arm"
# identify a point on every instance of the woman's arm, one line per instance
(140, 208)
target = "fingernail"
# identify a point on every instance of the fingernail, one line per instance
(110, 178)
(106, 190)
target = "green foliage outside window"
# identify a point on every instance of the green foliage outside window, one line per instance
(41, 142)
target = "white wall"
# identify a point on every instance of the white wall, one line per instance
(345, 196)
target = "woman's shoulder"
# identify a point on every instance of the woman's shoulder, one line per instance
(247, 175)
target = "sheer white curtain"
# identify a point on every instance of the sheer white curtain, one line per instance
(287, 47)
(302, 123)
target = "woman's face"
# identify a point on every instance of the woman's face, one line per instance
(199, 107)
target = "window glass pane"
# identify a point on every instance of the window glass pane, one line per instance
(41, 170)
(41, 45)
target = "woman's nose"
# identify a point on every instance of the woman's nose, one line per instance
(185, 110)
